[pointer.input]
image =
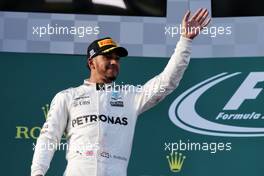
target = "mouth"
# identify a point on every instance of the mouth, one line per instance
(112, 73)
(112, 68)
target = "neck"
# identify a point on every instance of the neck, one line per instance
(98, 79)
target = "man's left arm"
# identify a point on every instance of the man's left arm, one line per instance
(163, 84)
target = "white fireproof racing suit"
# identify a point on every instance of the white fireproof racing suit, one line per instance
(99, 125)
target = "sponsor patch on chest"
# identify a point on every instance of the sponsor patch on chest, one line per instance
(116, 99)
(81, 101)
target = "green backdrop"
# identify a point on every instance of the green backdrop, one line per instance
(29, 82)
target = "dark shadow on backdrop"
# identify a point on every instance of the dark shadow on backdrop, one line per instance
(237, 8)
(134, 8)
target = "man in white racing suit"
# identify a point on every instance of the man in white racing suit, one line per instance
(99, 121)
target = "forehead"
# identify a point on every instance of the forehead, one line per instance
(109, 55)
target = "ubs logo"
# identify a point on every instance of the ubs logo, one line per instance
(80, 101)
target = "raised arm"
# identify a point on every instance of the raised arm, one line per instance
(163, 84)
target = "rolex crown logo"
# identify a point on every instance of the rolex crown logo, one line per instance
(45, 110)
(175, 161)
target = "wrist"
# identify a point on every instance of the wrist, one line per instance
(187, 37)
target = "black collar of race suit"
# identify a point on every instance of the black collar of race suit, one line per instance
(99, 86)
(102, 86)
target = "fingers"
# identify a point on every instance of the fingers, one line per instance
(196, 14)
(203, 17)
(205, 23)
(200, 15)
(186, 16)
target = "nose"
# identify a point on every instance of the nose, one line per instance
(114, 62)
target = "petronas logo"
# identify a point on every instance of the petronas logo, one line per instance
(175, 161)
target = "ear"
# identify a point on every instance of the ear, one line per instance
(90, 62)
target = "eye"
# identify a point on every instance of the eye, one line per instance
(112, 56)
(108, 56)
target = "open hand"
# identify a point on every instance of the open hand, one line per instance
(192, 26)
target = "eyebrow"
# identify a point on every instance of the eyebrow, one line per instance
(112, 55)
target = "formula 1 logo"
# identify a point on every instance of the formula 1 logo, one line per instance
(227, 104)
